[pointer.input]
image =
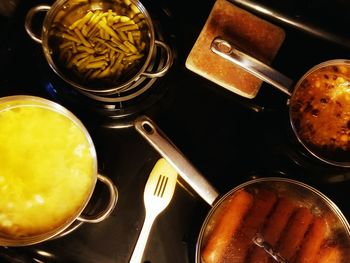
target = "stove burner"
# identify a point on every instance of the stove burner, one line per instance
(122, 107)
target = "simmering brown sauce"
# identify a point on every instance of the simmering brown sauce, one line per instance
(320, 110)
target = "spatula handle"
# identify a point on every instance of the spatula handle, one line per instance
(142, 240)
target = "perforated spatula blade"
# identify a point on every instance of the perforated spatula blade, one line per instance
(157, 195)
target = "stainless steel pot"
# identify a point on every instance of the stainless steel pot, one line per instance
(320, 121)
(282, 213)
(65, 12)
(44, 191)
(304, 198)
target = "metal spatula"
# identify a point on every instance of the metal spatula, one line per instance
(158, 192)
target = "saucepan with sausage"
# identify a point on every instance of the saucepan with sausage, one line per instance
(274, 220)
(263, 220)
(319, 103)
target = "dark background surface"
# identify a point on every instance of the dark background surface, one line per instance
(218, 131)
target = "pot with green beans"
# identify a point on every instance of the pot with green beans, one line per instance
(101, 46)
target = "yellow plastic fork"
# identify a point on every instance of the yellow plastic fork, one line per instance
(157, 195)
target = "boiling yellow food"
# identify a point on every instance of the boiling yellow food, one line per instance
(46, 172)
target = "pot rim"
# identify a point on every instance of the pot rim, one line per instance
(264, 72)
(50, 15)
(51, 105)
(326, 201)
(296, 86)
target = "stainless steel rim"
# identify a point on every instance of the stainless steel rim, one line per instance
(307, 148)
(45, 36)
(24, 241)
(328, 202)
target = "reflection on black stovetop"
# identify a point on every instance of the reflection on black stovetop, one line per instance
(228, 138)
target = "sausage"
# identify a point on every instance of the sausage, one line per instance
(313, 241)
(238, 249)
(294, 234)
(329, 255)
(273, 228)
(237, 207)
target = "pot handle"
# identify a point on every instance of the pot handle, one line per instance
(111, 205)
(169, 60)
(168, 151)
(29, 18)
(228, 51)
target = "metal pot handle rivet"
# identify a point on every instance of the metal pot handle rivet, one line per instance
(29, 18)
(111, 205)
(169, 60)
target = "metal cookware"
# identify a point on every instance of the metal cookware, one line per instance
(263, 194)
(319, 103)
(63, 13)
(36, 179)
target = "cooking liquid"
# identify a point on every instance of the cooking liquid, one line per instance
(91, 56)
(292, 220)
(320, 111)
(46, 172)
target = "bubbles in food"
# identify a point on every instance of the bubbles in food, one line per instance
(46, 172)
(320, 111)
(292, 227)
(101, 44)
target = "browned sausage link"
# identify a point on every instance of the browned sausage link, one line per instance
(239, 246)
(226, 227)
(313, 241)
(274, 228)
(296, 229)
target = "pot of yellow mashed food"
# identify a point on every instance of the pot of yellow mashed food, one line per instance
(48, 171)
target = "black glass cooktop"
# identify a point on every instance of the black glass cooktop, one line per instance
(228, 138)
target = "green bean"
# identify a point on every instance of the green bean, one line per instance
(83, 62)
(108, 30)
(129, 27)
(130, 46)
(82, 38)
(70, 37)
(86, 49)
(122, 35)
(131, 38)
(102, 44)
(117, 63)
(81, 22)
(122, 24)
(96, 64)
(134, 57)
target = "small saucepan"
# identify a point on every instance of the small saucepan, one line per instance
(319, 104)
(48, 171)
(266, 218)
(101, 46)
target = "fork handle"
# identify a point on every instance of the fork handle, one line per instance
(143, 237)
